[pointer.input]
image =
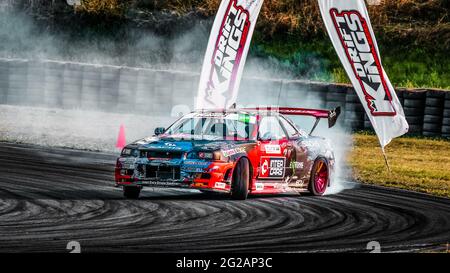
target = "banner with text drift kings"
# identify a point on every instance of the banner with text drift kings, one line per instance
(350, 30)
(226, 54)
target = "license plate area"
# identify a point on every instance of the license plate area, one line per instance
(163, 172)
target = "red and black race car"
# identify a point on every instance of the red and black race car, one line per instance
(238, 152)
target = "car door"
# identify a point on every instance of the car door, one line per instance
(273, 149)
(298, 156)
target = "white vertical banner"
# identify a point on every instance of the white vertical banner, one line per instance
(350, 30)
(226, 53)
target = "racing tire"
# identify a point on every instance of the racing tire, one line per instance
(445, 130)
(434, 111)
(338, 97)
(447, 103)
(412, 111)
(354, 107)
(446, 121)
(430, 127)
(320, 177)
(432, 119)
(368, 125)
(240, 181)
(131, 192)
(415, 129)
(351, 97)
(433, 102)
(414, 95)
(415, 119)
(417, 104)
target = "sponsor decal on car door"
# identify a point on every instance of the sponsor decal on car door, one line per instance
(272, 167)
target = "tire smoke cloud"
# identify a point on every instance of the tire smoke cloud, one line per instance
(96, 129)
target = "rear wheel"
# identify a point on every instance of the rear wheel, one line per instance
(319, 177)
(240, 181)
(131, 192)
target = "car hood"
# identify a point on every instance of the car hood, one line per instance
(170, 144)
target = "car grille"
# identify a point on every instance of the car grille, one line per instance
(163, 172)
(163, 154)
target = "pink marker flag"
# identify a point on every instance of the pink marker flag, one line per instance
(226, 54)
(350, 30)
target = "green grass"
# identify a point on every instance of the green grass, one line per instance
(418, 164)
(316, 60)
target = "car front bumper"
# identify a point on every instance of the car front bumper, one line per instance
(216, 177)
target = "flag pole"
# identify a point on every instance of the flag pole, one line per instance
(386, 160)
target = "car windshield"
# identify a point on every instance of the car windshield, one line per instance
(214, 126)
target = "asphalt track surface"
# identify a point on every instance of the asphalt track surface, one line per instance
(49, 197)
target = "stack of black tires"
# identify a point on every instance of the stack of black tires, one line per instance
(427, 111)
(354, 110)
(414, 107)
(433, 113)
(446, 117)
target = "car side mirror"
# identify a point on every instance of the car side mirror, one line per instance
(159, 131)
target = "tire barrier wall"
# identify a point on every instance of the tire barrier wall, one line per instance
(169, 93)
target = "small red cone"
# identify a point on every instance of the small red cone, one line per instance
(121, 142)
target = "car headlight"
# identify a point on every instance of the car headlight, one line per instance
(216, 156)
(219, 157)
(206, 155)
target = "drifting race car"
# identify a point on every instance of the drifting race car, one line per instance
(239, 152)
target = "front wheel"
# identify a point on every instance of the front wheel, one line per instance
(319, 177)
(130, 192)
(240, 182)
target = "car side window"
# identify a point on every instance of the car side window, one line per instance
(291, 131)
(270, 129)
(188, 126)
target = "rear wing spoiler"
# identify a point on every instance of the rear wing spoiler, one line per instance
(331, 115)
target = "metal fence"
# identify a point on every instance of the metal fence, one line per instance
(162, 93)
